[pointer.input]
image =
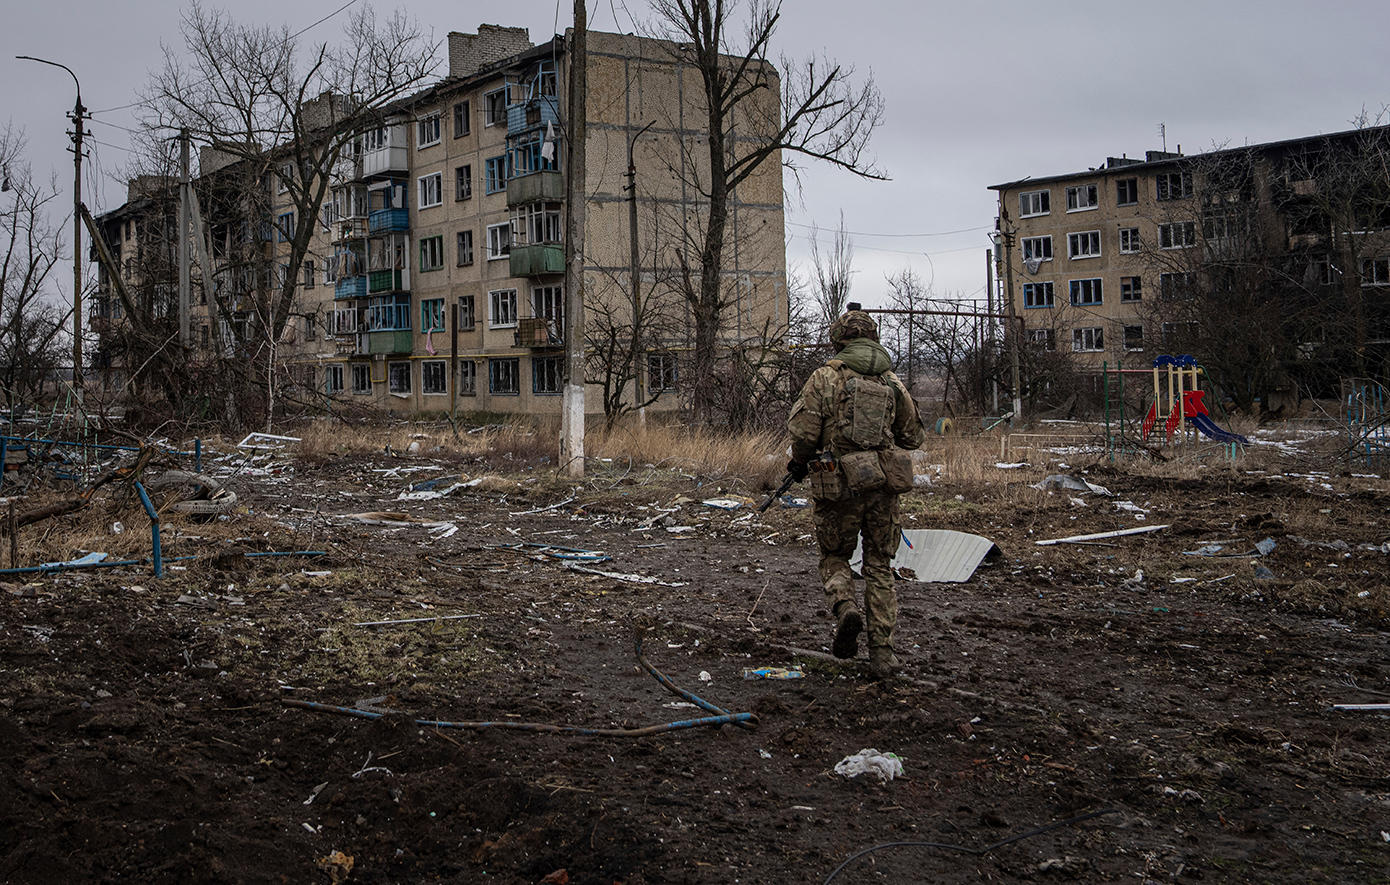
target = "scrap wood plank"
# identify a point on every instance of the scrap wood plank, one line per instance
(1099, 535)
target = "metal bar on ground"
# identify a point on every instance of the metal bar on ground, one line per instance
(1099, 535)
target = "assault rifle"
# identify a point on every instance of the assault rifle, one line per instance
(781, 490)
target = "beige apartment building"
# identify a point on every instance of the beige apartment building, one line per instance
(436, 278)
(1269, 263)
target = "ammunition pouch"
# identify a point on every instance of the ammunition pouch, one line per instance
(896, 464)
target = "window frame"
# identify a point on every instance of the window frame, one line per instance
(663, 372)
(463, 119)
(1131, 289)
(432, 315)
(427, 126)
(284, 227)
(551, 370)
(332, 379)
(399, 377)
(463, 182)
(439, 368)
(1166, 231)
(462, 238)
(494, 365)
(502, 248)
(467, 316)
(1086, 292)
(495, 105)
(1046, 337)
(1130, 347)
(497, 299)
(1176, 286)
(1127, 187)
(1379, 272)
(1074, 197)
(361, 372)
(1030, 247)
(1091, 241)
(1130, 243)
(468, 378)
(431, 185)
(495, 175)
(1080, 336)
(434, 246)
(1042, 294)
(1041, 199)
(1163, 186)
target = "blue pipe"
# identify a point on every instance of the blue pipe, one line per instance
(154, 529)
(198, 455)
(4, 453)
(61, 567)
(60, 442)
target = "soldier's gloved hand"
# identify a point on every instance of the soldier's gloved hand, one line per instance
(798, 469)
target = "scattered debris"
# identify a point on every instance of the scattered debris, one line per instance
(726, 503)
(1099, 535)
(619, 576)
(936, 556)
(772, 673)
(390, 517)
(414, 620)
(263, 440)
(337, 865)
(1063, 482)
(1264, 548)
(885, 766)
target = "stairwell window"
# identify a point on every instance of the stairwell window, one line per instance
(1082, 197)
(464, 244)
(463, 183)
(427, 131)
(1085, 244)
(431, 253)
(1034, 203)
(1037, 295)
(1126, 192)
(1085, 292)
(462, 119)
(1129, 240)
(431, 190)
(1088, 340)
(467, 313)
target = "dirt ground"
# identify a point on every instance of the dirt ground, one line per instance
(146, 735)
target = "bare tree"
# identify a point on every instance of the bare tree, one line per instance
(821, 115)
(281, 113)
(30, 327)
(832, 273)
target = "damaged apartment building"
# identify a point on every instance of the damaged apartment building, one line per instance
(1270, 263)
(436, 276)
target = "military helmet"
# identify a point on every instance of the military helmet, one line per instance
(854, 324)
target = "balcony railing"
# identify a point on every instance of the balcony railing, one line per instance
(350, 287)
(380, 281)
(533, 113)
(394, 341)
(384, 221)
(547, 187)
(538, 332)
(534, 261)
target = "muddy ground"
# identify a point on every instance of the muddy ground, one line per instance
(146, 735)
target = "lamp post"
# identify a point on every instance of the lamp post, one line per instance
(79, 113)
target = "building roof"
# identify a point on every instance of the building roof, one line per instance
(1158, 159)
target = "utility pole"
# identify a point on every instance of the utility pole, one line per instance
(185, 253)
(635, 276)
(572, 412)
(989, 325)
(78, 115)
(1012, 335)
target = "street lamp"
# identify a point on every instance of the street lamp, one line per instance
(79, 113)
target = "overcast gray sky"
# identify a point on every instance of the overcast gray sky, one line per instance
(977, 93)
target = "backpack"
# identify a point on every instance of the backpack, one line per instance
(864, 413)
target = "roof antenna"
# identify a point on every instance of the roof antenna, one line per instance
(1163, 134)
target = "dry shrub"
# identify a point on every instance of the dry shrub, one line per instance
(758, 458)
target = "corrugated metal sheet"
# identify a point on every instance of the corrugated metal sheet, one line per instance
(936, 556)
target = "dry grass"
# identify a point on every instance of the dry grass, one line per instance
(758, 459)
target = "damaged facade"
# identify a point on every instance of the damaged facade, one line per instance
(1268, 262)
(436, 276)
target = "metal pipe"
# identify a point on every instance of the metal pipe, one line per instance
(290, 553)
(539, 727)
(63, 442)
(198, 455)
(60, 567)
(671, 686)
(154, 529)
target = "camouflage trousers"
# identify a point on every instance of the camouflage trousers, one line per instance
(838, 527)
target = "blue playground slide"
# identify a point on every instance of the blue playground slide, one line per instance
(1208, 428)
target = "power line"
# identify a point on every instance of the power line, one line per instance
(899, 251)
(944, 233)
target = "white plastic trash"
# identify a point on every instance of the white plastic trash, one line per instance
(885, 765)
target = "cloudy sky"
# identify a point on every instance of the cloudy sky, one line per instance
(977, 94)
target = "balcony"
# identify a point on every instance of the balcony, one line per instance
(533, 113)
(350, 287)
(345, 345)
(538, 332)
(394, 341)
(538, 187)
(386, 221)
(390, 160)
(535, 261)
(350, 229)
(380, 281)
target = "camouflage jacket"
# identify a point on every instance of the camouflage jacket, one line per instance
(812, 422)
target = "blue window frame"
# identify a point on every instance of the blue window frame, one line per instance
(389, 313)
(495, 174)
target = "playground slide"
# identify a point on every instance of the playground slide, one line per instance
(1208, 428)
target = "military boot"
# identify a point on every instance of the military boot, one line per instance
(882, 662)
(849, 623)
